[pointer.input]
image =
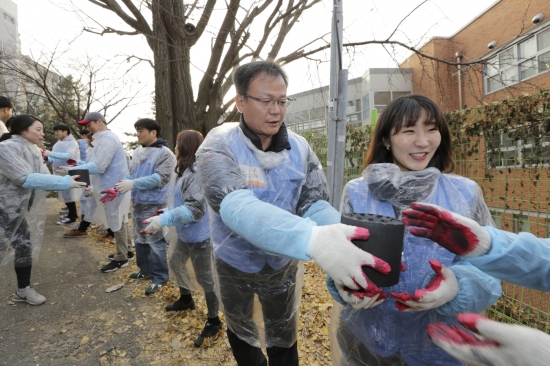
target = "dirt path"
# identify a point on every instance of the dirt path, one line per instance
(81, 324)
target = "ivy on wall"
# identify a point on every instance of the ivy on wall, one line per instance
(493, 129)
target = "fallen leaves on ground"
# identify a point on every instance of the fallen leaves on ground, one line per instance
(167, 337)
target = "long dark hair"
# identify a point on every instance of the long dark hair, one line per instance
(188, 143)
(404, 112)
(20, 124)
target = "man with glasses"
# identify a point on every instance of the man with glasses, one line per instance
(268, 193)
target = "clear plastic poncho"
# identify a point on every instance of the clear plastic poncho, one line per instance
(111, 160)
(190, 251)
(383, 334)
(67, 145)
(260, 293)
(147, 161)
(22, 211)
(89, 204)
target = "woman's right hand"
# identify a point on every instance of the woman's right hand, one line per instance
(75, 184)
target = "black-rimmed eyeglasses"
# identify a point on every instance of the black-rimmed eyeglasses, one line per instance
(266, 103)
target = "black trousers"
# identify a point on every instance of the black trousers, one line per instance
(73, 215)
(247, 355)
(276, 293)
(15, 232)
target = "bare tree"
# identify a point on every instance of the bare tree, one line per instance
(176, 26)
(58, 98)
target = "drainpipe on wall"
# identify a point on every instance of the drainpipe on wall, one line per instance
(459, 55)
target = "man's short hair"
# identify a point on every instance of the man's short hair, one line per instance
(149, 124)
(84, 132)
(62, 127)
(244, 74)
(5, 102)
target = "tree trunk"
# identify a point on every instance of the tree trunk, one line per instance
(174, 100)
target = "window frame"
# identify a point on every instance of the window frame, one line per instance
(518, 146)
(493, 80)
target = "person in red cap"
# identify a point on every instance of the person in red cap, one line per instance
(108, 165)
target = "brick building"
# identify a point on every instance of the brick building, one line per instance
(508, 46)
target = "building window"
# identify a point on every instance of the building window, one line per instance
(508, 152)
(519, 62)
(9, 18)
(521, 224)
(382, 99)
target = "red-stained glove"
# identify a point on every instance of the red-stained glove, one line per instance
(456, 233)
(442, 288)
(343, 262)
(110, 194)
(500, 344)
(72, 162)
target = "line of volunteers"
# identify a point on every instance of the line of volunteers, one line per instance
(243, 207)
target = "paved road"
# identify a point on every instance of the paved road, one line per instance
(67, 273)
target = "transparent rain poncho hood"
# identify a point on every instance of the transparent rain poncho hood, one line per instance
(248, 278)
(67, 145)
(22, 211)
(384, 334)
(147, 161)
(190, 250)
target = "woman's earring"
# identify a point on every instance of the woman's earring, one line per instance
(387, 147)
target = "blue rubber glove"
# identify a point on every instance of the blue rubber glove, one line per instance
(91, 167)
(60, 155)
(333, 291)
(323, 213)
(148, 182)
(266, 226)
(178, 216)
(47, 182)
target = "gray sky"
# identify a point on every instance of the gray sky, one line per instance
(45, 24)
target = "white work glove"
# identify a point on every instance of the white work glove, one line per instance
(124, 186)
(500, 344)
(153, 227)
(62, 170)
(442, 288)
(75, 184)
(89, 191)
(334, 252)
(456, 233)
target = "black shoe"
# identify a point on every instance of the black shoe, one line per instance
(113, 266)
(130, 256)
(209, 330)
(179, 304)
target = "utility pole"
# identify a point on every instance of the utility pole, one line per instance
(337, 105)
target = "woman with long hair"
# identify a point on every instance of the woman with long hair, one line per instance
(190, 252)
(23, 180)
(409, 160)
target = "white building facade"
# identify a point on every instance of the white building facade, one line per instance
(366, 94)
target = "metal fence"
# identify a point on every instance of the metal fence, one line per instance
(516, 190)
